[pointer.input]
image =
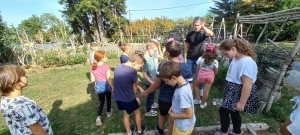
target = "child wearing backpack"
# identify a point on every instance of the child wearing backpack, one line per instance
(100, 74)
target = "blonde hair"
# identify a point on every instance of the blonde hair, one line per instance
(94, 46)
(241, 46)
(10, 76)
(152, 44)
(139, 58)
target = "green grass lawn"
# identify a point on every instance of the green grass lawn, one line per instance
(67, 97)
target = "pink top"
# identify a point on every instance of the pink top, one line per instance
(100, 73)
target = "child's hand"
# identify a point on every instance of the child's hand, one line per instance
(138, 100)
(170, 110)
(145, 94)
(240, 106)
(142, 90)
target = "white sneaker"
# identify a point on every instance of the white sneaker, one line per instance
(108, 114)
(153, 111)
(201, 92)
(154, 105)
(196, 101)
(98, 121)
(203, 106)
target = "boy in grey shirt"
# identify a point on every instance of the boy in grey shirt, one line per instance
(182, 110)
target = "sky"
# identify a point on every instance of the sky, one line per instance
(14, 11)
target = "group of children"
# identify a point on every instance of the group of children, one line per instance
(172, 76)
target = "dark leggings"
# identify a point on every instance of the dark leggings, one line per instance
(102, 100)
(150, 99)
(225, 120)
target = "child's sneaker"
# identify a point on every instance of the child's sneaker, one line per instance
(132, 128)
(201, 92)
(144, 127)
(154, 105)
(203, 106)
(158, 130)
(196, 101)
(108, 114)
(98, 121)
(153, 111)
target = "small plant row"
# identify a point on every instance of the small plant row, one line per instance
(61, 57)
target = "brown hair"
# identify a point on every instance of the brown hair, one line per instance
(98, 56)
(139, 58)
(173, 48)
(169, 69)
(209, 57)
(10, 76)
(124, 46)
(241, 46)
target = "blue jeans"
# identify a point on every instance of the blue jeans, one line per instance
(193, 66)
(150, 99)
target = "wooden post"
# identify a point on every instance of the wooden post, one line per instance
(261, 33)
(224, 30)
(219, 32)
(281, 75)
(277, 34)
(250, 30)
(235, 25)
(241, 29)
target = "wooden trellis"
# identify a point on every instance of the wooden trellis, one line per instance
(274, 62)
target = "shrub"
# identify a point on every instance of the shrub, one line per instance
(221, 76)
(61, 57)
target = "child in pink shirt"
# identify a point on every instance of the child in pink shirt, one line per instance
(100, 74)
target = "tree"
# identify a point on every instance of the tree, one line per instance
(32, 26)
(97, 18)
(7, 41)
(225, 9)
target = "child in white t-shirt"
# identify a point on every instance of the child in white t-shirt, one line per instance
(207, 66)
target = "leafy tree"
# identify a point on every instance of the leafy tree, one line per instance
(97, 18)
(225, 9)
(32, 26)
(7, 41)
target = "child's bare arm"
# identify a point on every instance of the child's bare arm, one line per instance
(153, 86)
(187, 114)
(160, 53)
(135, 87)
(145, 75)
(141, 89)
(92, 77)
(246, 90)
(215, 70)
(37, 129)
(109, 79)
